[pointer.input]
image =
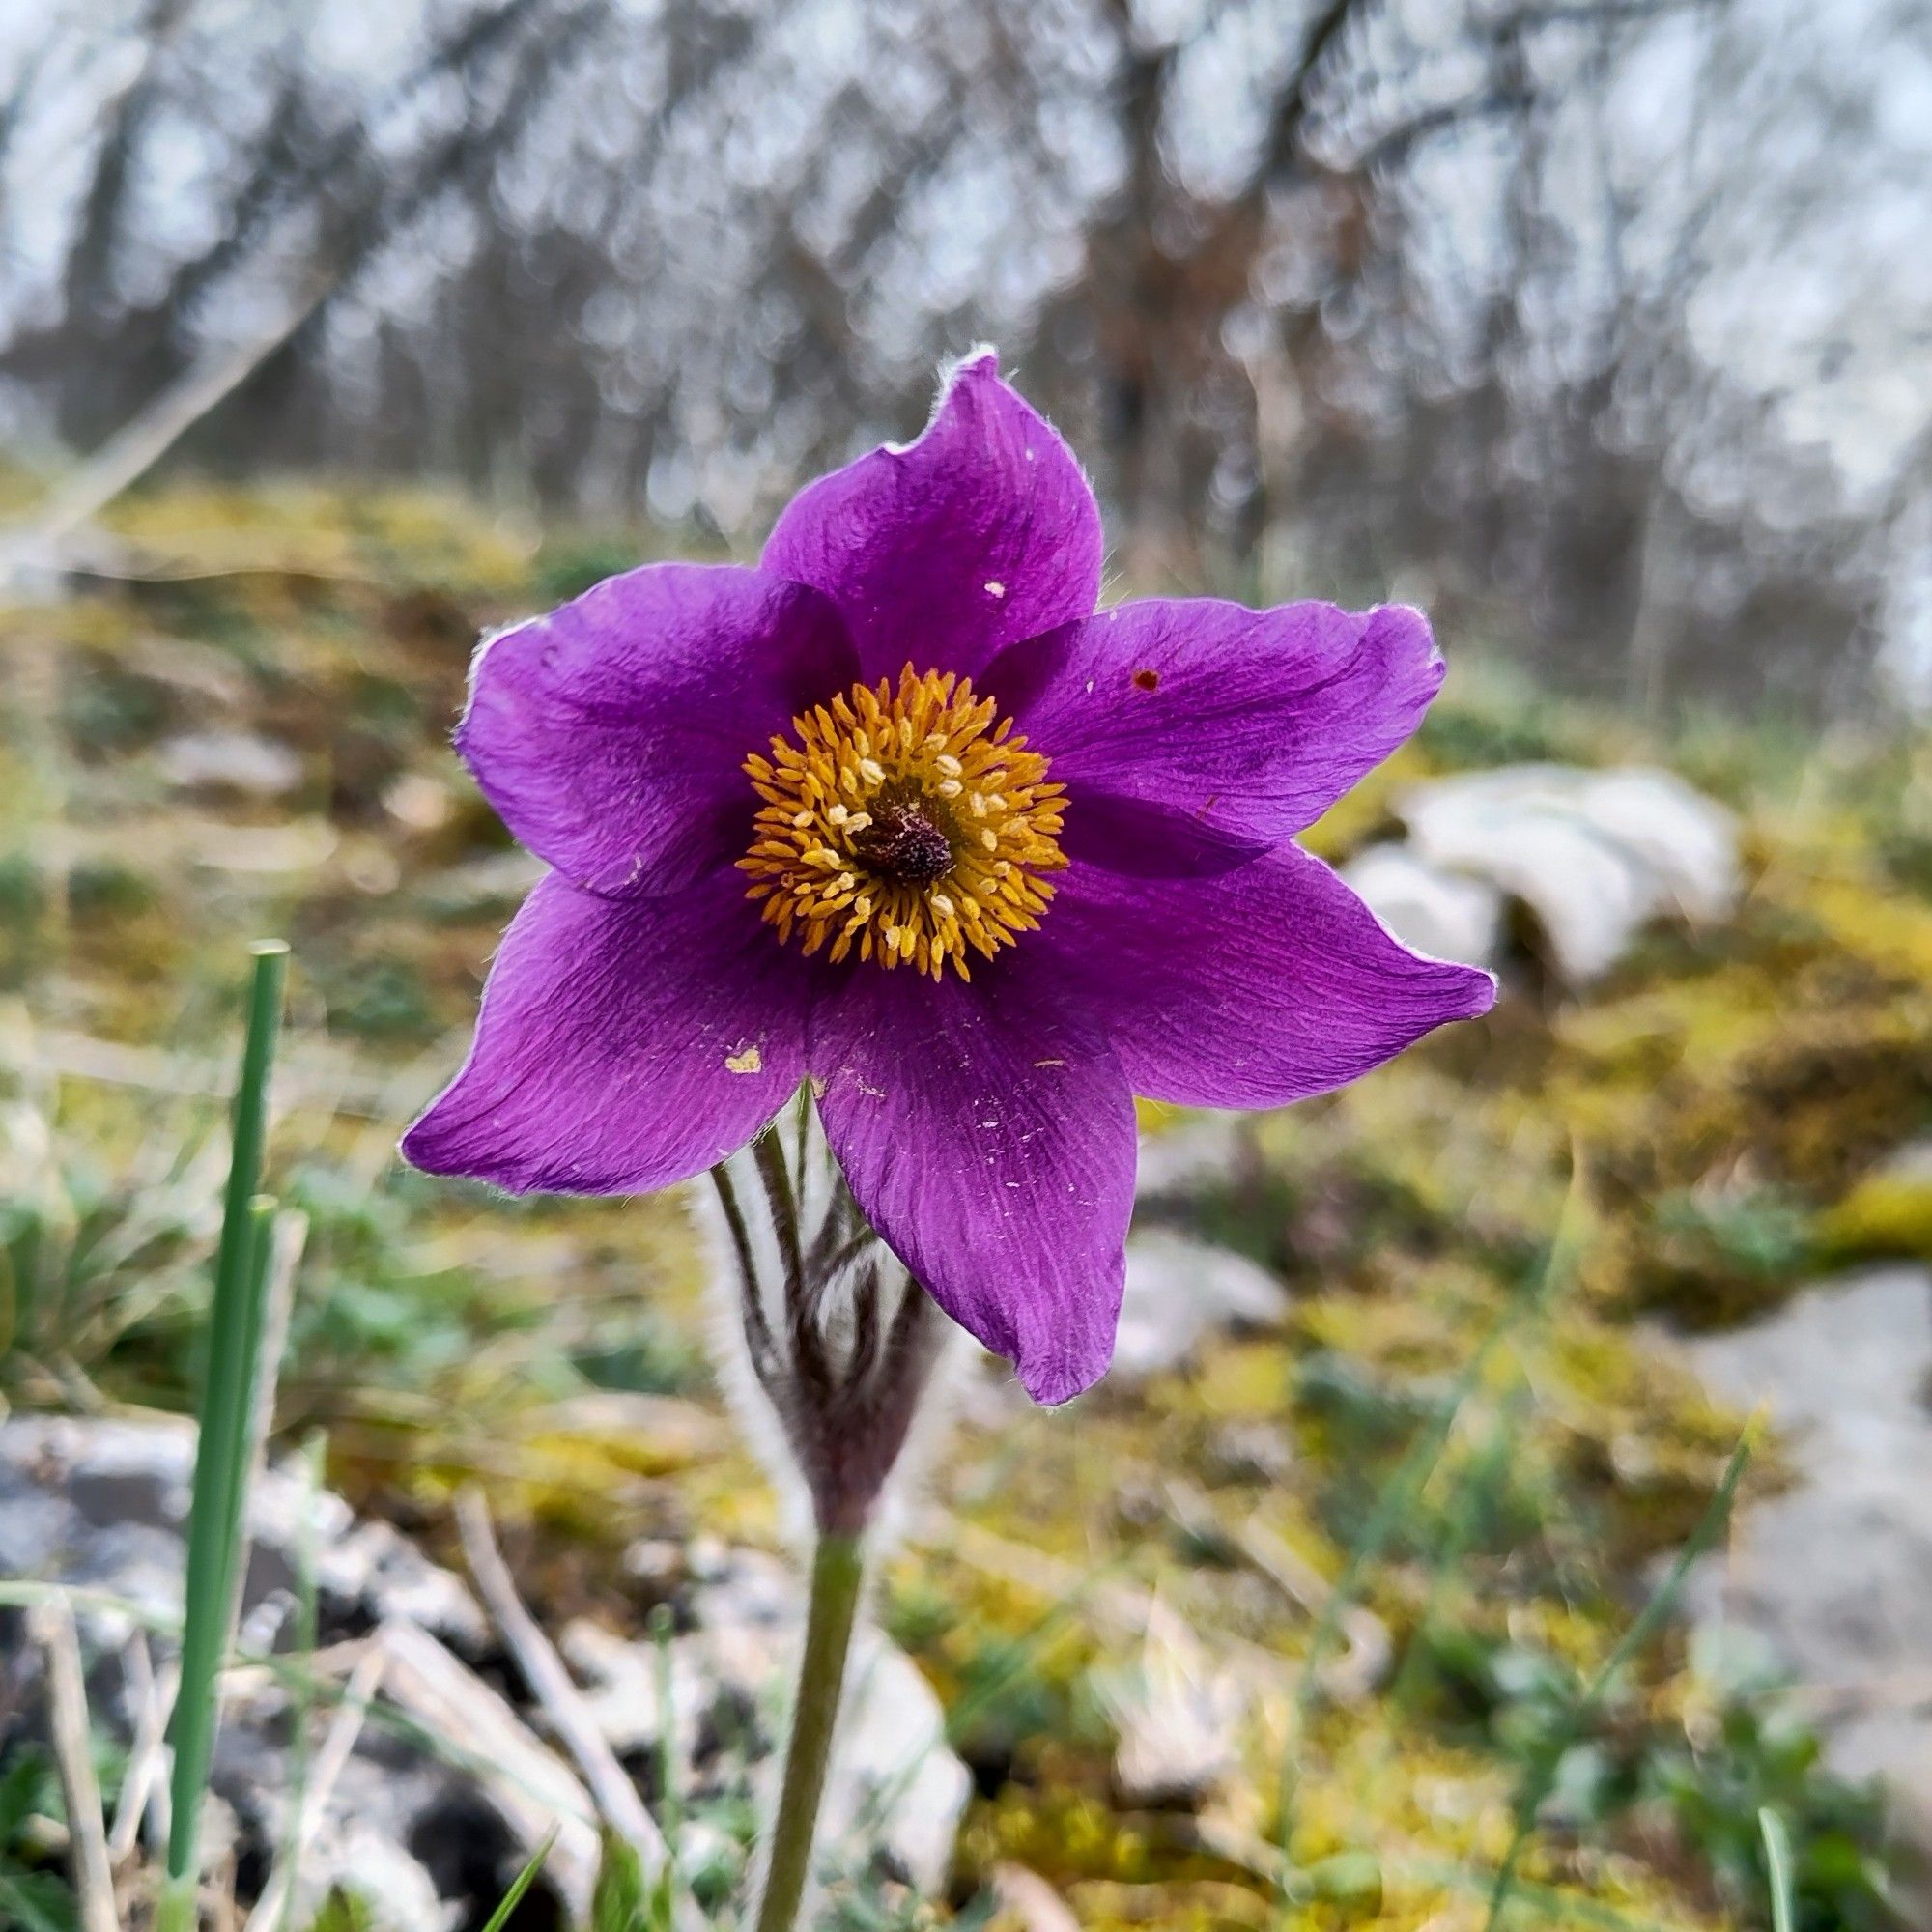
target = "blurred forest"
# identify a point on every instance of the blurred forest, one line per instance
(1601, 325)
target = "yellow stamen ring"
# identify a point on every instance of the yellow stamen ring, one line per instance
(905, 823)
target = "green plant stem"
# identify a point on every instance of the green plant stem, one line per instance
(221, 1478)
(1777, 1868)
(838, 1571)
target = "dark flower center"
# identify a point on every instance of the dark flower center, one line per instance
(903, 843)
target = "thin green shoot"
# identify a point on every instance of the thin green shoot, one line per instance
(221, 1458)
(1570, 1910)
(1541, 1775)
(671, 1814)
(1777, 1868)
(23, 1907)
(1477, 1493)
(1393, 1506)
(520, 1884)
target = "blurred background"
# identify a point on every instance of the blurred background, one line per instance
(1607, 317)
(1392, 1579)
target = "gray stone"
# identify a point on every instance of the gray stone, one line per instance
(1594, 855)
(896, 1785)
(1177, 1719)
(1911, 1161)
(238, 762)
(623, 1682)
(1836, 1572)
(396, 1891)
(1180, 1289)
(1249, 1452)
(386, 1797)
(105, 1502)
(482, 885)
(1182, 1155)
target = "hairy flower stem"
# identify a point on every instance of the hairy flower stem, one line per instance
(838, 1572)
(830, 1347)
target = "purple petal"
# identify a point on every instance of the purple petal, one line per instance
(1253, 721)
(992, 1145)
(624, 1044)
(1148, 841)
(611, 736)
(940, 554)
(1250, 990)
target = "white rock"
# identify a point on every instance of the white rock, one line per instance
(1911, 1161)
(896, 1781)
(482, 885)
(1181, 1288)
(394, 1890)
(895, 1766)
(1835, 1574)
(231, 761)
(1595, 856)
(1028, 1899)
(111, 1497)
(1689, 841)
(1182, 1155)
(422, 803)
(1447, 915)
(622, 1682)
(1176, 1719)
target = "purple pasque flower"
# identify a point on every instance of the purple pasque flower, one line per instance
(901, 812)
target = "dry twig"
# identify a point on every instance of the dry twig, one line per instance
(73, 1752)
(531, 1787)
(329, 1762)
(564, 1703)
(144, 1782)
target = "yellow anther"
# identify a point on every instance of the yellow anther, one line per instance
(908, 823)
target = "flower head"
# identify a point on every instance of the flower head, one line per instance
(901, 812)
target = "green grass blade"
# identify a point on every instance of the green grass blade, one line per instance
(670, 1815)
(215, 1517)
(617, 1904)
(1400, 1493)
(1777, 1868)
(520, 1885)
(1542, 1774)
(35, 1902)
